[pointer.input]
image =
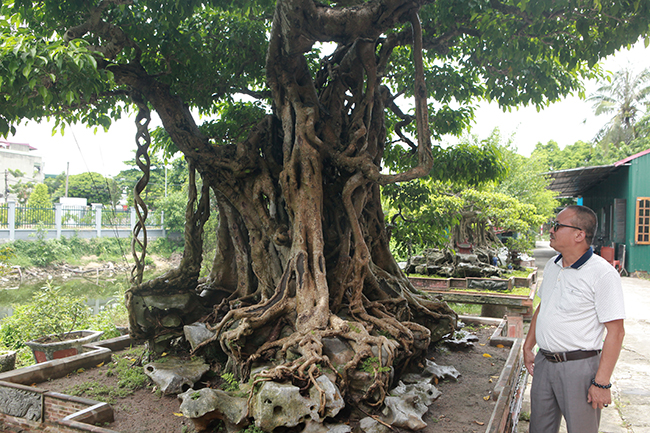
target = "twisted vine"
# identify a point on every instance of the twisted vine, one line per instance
(142, 141)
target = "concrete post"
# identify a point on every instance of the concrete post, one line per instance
(162, 223)
(98, 218)
(11, 220)
(58, 216)
(133, 217)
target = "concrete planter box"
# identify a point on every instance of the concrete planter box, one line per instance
(501, 303)
(52, 411)
(7, 360)
(45, 349)
(509, 389)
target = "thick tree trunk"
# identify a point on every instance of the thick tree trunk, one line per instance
(302, 250)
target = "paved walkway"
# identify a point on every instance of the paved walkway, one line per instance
(630, 412)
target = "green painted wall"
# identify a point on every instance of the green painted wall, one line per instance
(627, 182)
(639, 187)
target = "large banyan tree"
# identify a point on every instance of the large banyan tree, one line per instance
(351, 95)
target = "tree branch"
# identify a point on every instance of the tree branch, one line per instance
(116, 38)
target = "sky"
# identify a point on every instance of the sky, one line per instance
(565, 122)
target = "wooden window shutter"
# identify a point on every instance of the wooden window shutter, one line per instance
(642, 221)
(620, 205)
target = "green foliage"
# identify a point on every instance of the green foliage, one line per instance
(235, 119)
(49, 312)
(40, 198)
(21, 189)
(175, 173)
(526, 180)
(509, 194)
(7, 253)
(40, 252)
(422, 212)
(130, 378)
(112, 314)
(252, 429)
(92, 186)
(207, 52)
(625, 95)
(230, 383)
(371, 365)
(165, 247)
(174, 206)
(54, 310)
(54, 184)
(499, 211)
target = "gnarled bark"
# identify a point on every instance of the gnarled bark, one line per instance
(303, 252)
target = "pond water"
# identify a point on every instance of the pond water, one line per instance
(97, 293)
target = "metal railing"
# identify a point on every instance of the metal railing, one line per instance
(78, 218)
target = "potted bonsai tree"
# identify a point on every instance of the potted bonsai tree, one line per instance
(49, 325)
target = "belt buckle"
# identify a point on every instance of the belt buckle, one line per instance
(559, 357)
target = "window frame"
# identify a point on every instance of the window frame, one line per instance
(642, 221)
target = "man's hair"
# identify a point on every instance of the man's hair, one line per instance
(586, 219)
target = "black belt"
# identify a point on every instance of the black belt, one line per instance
(569, 356)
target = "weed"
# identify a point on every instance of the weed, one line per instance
(354, 328)
(252, 429)
(443, 350)
(130, 379)
(230, 382)
(371, 365)
(96, 391)
(385, 334)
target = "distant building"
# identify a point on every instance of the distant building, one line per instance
(620, 196)
(18, 164)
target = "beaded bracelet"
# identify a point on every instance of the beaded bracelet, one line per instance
(593, 382)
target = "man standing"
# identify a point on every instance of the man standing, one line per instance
(581, 296)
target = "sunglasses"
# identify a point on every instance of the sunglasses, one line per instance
(556, 225)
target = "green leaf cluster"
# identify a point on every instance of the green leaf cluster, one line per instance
(40, 197)
(50, 312)
(502, 190)
(92, 186)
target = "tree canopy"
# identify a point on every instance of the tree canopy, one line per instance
(455, 209)
(39, 197)
(92, 186)
(625, 96)
(302, 248)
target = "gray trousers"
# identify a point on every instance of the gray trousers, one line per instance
(560, 389)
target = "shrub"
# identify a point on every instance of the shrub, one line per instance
(7, 252)
(166, 246)
(49, 312)
(41, 252)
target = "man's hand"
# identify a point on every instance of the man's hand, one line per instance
(530, 342)
(529, 360)
(599, 397)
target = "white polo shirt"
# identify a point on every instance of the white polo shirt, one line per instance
(576, 303)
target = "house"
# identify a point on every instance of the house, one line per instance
(18, 164)
(620, 196)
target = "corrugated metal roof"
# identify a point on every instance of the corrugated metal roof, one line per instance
(575, 182)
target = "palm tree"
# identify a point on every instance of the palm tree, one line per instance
(626, 95)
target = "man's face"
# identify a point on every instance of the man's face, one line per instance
(564, 235)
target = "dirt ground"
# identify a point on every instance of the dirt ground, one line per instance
(461, 408)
